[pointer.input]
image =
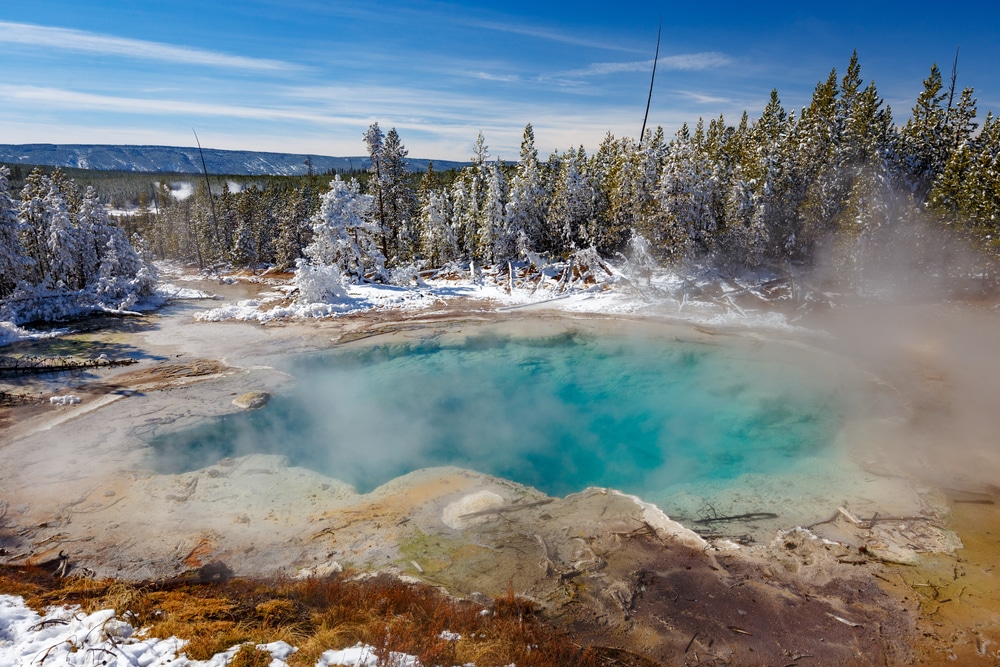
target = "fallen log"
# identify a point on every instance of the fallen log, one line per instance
(12, 366)
(749, 516)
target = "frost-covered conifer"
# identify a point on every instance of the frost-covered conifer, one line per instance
(495, 239)
(92, 223)
(527, 197)
(400, 202)
(343, 246)
(438, 241)
(63, 244)
(13, 263)
(293, 230)
(572, 208)
(468, 196)
(684, 218)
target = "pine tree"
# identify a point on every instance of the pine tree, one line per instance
(293, 229)
(33, 215)
(528, 198)
(375, 142)
(344, 235)
(62, 244)
(619, 169)
(92, 223)
(496, 242)
(13, 263)
(925, 142)
(400, 202)
(966, 197)
(816, 136)
(438, 240)
(469, 192)
(744, 241)
(684, 219)
(572, 209)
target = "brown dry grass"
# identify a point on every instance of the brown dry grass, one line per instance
(317, 615)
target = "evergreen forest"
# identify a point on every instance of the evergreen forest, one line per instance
(837, 186)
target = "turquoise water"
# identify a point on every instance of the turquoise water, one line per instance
(557, 413)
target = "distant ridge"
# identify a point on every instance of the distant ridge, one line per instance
(186, 160)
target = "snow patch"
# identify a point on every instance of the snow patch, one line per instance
(70, 637)
(170, 291)
(10, 333)
(363, 655)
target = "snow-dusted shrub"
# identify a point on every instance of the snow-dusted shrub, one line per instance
(342, 236)
(406, 276)
(319, 283)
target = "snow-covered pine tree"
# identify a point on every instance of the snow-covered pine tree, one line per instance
(924, 140)
(13, 263)
(572, 209)
(248, 235)
(771, 170)
(527, 200)
(63, 244)
(869, 137)
(684, 219)
(619, 176)
(375, 143)
(92, 223)
(468, 198)
(814, 168)
(293, 230)
(966, 196)
(438, 241)
(124, 275)
(343, 246)
(496, 242)
(743, 242)
(400, 201)
(33, 214)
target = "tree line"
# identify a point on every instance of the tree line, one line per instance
(837, 181)
(837, 184)
(61, 254)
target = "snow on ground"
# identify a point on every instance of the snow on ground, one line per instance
(171, 291)
(663, 294)
(70, 637)
(10, 333)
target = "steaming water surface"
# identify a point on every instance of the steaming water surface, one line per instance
(559, 413)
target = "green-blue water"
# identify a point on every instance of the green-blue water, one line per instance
(557, 413)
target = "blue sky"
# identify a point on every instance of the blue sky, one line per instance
(309, 76)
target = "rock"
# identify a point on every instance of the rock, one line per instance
(252, 400)
(471, 509)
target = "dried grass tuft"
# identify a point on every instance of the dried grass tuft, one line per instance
(320, 614)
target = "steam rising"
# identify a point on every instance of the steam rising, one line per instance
(558, 413)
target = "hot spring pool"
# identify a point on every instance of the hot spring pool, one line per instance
(644, 415)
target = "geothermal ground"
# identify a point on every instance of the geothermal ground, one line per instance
(897, 571)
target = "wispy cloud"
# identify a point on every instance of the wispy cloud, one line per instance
(686, 62)
(61, 98)
(704, 98)
(502, 78)
(89, 42)
(550, 35)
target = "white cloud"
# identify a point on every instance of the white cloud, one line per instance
(69, 99)
(686, 62)
(704, 98)
(88, 42)
(502, 78)
(549, 35)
